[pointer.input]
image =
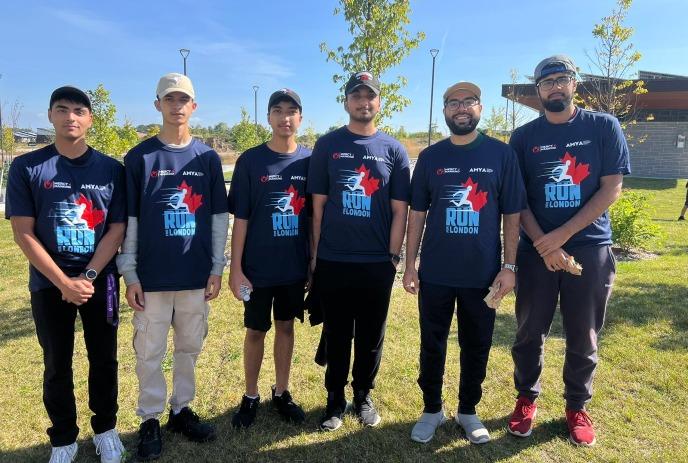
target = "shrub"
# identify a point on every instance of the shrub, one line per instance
(632, 226)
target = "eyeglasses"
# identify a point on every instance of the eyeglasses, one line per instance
(549, 84)
(456, 104)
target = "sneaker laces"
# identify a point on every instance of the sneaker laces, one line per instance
(61, 455)
(108, 442)
(580, 418)
(523, 407)
(246, 404)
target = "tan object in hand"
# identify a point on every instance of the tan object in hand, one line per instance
(491, 301)
(573, 267)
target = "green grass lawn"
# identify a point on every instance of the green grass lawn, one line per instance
(639, 407)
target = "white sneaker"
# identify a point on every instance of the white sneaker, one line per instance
(424, 429)
(64, 454)
(475, 430)
(108, 446)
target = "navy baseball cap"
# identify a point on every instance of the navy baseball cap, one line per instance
(363, 78)
(552, 65)
(70, 93)
(282, 94)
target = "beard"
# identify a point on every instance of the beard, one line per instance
(362, 118)
(462, 129)
(557, 106)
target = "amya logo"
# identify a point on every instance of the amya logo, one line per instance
(91, 186)
(578, 143)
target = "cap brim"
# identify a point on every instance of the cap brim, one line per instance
(167, 91)
(353, 89)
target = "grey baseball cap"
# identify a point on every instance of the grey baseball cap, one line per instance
(554, 64)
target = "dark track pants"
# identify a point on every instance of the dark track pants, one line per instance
(54, 319)
(355, 301)
(583, 302)
(437, 305)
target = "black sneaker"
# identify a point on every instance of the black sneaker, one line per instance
(286, 407)
(150, 441)
(680, 217)
(246, 414)
(186, 422)
(365, 410)
(334, 413)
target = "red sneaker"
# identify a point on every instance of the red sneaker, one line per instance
(581, 431)
(521, 421)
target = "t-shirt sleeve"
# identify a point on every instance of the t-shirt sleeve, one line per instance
(19, 200)
(420, 193)
(318, 175)
(512, 195)
(217, 185)
(132, 169)
(615, 155)
(239, 197)
(400, 178)
(117, 211)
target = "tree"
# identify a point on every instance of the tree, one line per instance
(496, 125)
(105, 135)
(244, 135)
(380, 42)
(515, 117)
(152, 130)
(309, 137)
(611, 90)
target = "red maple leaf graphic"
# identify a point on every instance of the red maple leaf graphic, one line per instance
(297, 202)
(475, 196)
(92, 216)
(191, 199)
(369, 184)
(578, 172)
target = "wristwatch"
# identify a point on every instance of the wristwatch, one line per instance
(90, 274)
(396, 258)
(511, 267)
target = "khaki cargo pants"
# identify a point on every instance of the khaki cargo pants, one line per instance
(187, 313)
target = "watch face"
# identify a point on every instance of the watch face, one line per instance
(91, 274)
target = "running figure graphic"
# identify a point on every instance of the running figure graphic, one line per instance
(176, 201)
(73, 216)
(563, 173)
(357, 179)
(284, 204)
(463, 201)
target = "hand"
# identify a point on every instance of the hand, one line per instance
(506, 279)
(212, 289)
(550, 242)
(410, 280)
(134, 297)
(236, 280)
(556, 260)
(77, 290)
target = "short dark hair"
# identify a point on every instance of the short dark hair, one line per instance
(71, 94)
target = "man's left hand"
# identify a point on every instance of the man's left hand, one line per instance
(507, 281)
(550, 242)
(212, 289)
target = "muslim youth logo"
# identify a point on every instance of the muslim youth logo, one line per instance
(288, 205)
(179, 217)
(359, 187)
(77, 222)
(462, 217)
(563, 190)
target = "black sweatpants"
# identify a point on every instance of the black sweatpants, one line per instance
(355, 301)
(437, 305)
(54, 319)
(583, 303)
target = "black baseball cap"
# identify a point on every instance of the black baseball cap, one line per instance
(284, 94)
(552, 65)
(362, 78)
(70, 93)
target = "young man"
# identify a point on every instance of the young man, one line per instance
(573, 162)
(359, 178)
(464, 185)
(172, 260)
(270, 251)
(67, 206)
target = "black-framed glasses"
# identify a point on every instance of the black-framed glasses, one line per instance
(456, 104)
(548, 84)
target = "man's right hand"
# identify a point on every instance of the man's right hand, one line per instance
(236, 280)
(410, 281)
(77, 290)
(556, 260)
(135, 296)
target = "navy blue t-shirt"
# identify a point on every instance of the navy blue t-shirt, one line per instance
(173, 192)
(360, 175)
(562, 165)
(72, 201)
(465, 189)
(269, 190)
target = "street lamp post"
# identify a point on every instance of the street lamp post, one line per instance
(255, 107)
(433, 52)
(185, 53)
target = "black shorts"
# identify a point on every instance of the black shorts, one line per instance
(287, 301)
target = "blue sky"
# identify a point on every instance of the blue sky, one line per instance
(127, 45)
